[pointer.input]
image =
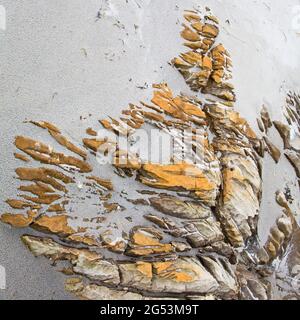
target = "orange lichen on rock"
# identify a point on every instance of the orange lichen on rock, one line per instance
(190, 60)
(206, 68)
(106, 124)
(200, 230)
(45, 175)
(124, 160)
(221, 63)
(38, 188)
(240, 205)
(239, 201)
(201, 32)
(63, 141)
(56, 208)
(181, 176)
(19, 220)
(160, 267)
(87, 240)
(225, 120)
(186, 271)
(146, 241)
(101, 145)
(117, 126)
(178, 276)
(164, 270)
(45, 154)
(21, 157)
(20, 204)
(135, 117)
(42, 199)
(45, 125)
(111, 207)
(91, 132)
(145, 268)
(179, 107)
(117, 245)
(54, 224)
(107, 184)
(56, 134)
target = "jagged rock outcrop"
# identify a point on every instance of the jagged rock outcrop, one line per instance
(195, 237)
